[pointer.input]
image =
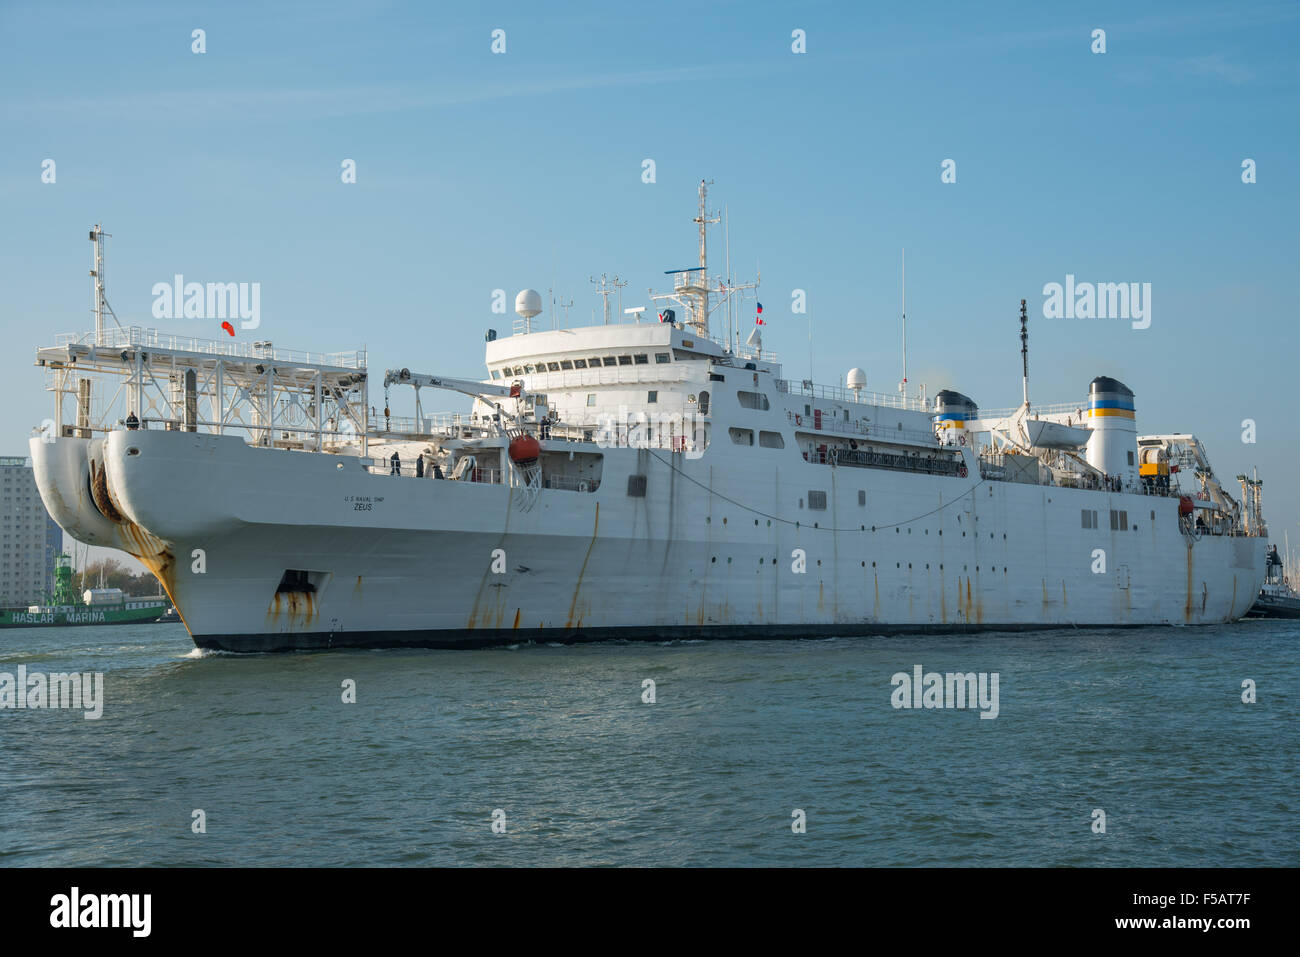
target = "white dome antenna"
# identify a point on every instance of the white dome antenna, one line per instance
(528, 303)
(857, 380)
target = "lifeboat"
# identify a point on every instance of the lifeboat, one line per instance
(524, 449)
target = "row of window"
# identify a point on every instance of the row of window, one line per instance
(768, 440)
(651, 396)
(595, 362)
(1118, 519)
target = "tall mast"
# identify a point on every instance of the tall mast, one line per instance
(1024, 349)
(701, 291)
(902, 386)
(97, 235)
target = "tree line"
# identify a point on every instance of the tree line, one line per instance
(116, 575)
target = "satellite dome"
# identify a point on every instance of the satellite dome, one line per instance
(857, 379)
(528, 303)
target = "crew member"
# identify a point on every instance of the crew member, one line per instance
(396, 461)
(132, 422)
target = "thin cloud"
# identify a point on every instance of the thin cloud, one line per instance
(274, 103)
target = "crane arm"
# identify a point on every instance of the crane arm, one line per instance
(465, 386)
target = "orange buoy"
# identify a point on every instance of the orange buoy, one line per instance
(524, 448)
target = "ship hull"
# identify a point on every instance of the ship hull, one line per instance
(716, 548)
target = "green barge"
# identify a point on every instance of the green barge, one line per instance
(97, 606)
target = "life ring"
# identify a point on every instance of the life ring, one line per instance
(798, 419)
(961, 471)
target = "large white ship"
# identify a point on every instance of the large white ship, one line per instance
(639, 478)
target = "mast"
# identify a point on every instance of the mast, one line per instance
(726, 234)
(902, 386)
(1024, 349)
(97, 235)
(606, 287)
(700, 318)
(691, 286)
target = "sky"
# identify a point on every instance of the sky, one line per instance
(479, 170)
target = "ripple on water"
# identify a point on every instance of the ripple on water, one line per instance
(1147, 725)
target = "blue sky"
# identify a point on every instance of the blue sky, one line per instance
(478, 171)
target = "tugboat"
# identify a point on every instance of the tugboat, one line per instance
(1277, 599)
(97, 606)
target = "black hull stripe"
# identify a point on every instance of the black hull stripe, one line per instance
(494, 637)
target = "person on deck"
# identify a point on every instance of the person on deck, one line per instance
(396, 461)
(132, 422)
(419, 466)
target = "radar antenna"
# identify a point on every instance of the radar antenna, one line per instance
(606, 287)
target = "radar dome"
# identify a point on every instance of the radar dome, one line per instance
(857, 379)
(528, 303)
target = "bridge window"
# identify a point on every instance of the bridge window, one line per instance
(652, 396)
(642, 359)
(662, 357)
(566, 364)
(609, 361)
(580, 363)
(771, 440)
(752, 400)
(591, 398)
(625, 360)
(496, 373)
(552, 367)
(742, 436)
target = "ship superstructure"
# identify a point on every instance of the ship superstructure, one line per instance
(636, 478)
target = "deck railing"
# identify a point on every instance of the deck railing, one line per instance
(148, 338)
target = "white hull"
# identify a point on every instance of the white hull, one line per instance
(417, 567)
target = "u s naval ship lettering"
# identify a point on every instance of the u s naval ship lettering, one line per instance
(131, 911)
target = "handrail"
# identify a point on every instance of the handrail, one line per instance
(859, 397)
(150, 338)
